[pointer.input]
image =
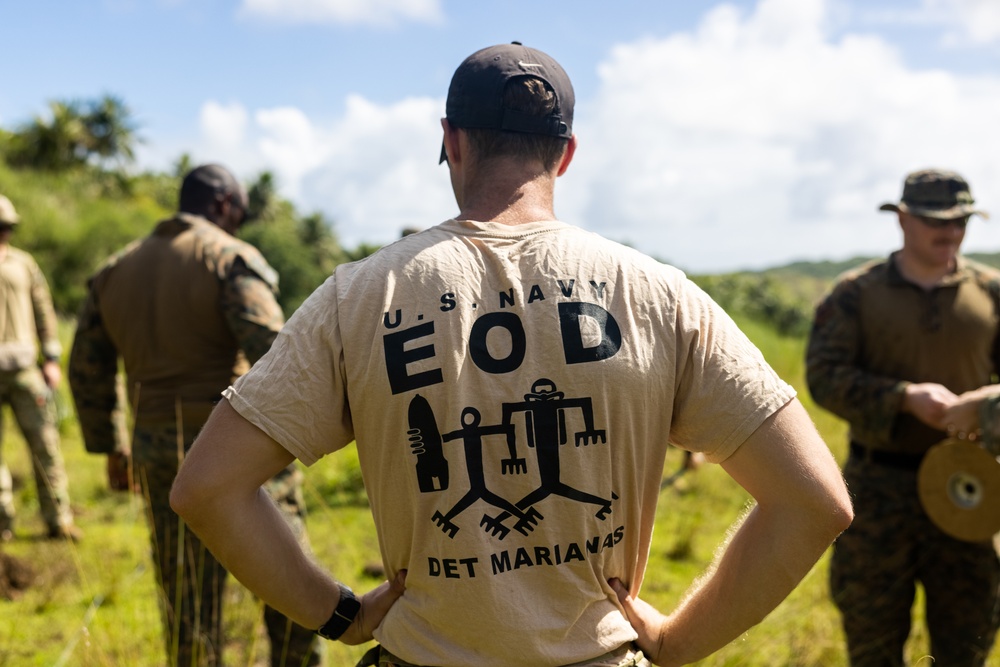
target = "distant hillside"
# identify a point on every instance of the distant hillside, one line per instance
(828, 270)
(784, 296)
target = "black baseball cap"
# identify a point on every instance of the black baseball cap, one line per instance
(205, 182)
(475, 96)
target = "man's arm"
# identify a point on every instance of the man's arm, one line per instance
(217, 492)
(93, 379)
(251, 310)
(46, 327)
(839, 383)
(836, 379)
(802, 505)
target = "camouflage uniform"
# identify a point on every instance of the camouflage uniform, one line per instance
(26, 317)
(989, 423)
(186, 308)
(379, 656)
(874, 334)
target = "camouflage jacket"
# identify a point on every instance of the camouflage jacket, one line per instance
(187, 308)
(989, 423)
(26, 313)
(876, 332)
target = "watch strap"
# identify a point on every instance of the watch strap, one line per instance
(347, 609)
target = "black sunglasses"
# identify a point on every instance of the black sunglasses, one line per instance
(935, 223)
(4, 227)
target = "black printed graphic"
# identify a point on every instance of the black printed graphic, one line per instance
(471, 435)
(544, 410)
(425, 442)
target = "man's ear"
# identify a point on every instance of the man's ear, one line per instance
(450, 142)
(567, 156)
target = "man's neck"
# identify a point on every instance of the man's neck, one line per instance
(508, 199)
(921, 273)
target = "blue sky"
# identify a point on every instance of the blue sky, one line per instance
(714, 135)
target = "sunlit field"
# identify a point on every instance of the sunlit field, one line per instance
(94, 604)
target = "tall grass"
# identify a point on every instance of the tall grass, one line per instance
(93, 604)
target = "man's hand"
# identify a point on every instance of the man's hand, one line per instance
(375, 605)
(119, 464)
(52, 374)
(929, 402)
(645, 620)
(962, 416)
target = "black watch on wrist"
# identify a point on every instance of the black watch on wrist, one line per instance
(342, 617)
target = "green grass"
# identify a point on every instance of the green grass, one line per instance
(93, 604)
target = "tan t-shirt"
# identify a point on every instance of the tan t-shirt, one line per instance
(512, 391)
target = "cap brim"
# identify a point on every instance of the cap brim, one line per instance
(962, 210)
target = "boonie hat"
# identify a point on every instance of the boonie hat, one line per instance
(935, 193)
(475, 96)
(7, 213)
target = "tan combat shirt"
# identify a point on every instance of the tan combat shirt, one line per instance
(877, 332)
(186, 308)
(26, 312)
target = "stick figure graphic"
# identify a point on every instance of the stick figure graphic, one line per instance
(432, 467)
(545, 422)
(471, 434)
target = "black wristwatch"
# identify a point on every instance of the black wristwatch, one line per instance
(342, 617)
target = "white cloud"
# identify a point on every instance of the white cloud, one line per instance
(382, 173)
(753, 140)
(373, 171)
(977, 21)
(348, 12)
(223, 125)
(964, 22)
(757, 139)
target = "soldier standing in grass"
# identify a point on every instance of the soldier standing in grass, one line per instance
(188, 309)
(512, 383)
(890, 348)
(27, 318)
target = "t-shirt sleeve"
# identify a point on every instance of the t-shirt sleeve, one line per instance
(725, 389)
(296, 393)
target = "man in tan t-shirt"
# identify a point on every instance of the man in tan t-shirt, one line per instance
(511, 383)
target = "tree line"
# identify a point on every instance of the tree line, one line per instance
(71, 176)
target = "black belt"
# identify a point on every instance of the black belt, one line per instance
(885, 458)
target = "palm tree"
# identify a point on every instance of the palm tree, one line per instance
(111, 129)
(183, 165)
(76, 133)
(262, 196)
(58, 142)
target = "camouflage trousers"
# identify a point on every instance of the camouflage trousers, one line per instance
(877, 562)
(378, 656)
(34, 410)
(192, 581)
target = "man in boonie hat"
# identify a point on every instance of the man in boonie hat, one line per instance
(511, 383)
(892, 348)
